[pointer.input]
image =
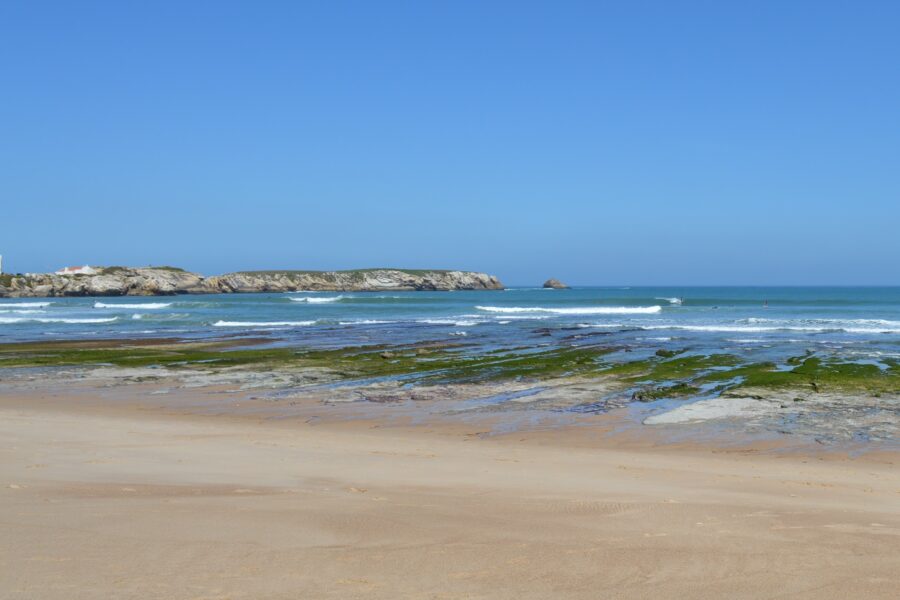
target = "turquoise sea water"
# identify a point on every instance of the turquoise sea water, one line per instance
(852, 321)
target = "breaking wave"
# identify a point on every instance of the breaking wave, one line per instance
(24, 304)
(157, 317)
(773, 328)
(365, 322)
(581, 310)
(318, 299)
(136, 306)
(263, 323)
(53, 320)
(454, 322)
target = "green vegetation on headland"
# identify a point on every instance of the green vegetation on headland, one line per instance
(659, 376)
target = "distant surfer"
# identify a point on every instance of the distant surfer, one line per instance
(765, 304)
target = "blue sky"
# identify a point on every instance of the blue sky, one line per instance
(597, 142)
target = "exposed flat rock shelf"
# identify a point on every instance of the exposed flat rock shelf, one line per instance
(167, 281)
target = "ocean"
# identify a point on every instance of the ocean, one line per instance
(853, 322)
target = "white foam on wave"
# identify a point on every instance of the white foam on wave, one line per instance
(825, 323)
(24, 312)
(578, 310)
(877, 322)
(670, 300)
(24, 304)
(506, 317)
(318, 299)
(365, 322)
(135, 306)
(722, 328)
(11, 320)
(773, 328)
(454, 322)
(263, 323)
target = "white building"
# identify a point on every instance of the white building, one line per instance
(85, 270)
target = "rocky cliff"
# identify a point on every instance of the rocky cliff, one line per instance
(109, 281)
(352, 281)
(165, 281)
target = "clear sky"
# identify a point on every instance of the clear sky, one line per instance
(596, 142)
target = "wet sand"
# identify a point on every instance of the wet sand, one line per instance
(109, 495)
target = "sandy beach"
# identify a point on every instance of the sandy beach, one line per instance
(449, 301)
(106, 494)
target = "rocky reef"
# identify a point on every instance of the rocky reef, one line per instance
(167, 281)
(555, 284)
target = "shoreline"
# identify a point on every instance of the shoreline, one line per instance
(118, 491)
(613, 431)
(806, 404)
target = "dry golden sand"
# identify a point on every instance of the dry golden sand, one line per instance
(106, 500)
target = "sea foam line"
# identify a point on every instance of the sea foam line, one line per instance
(24, 304)
(136, 306)
(8, 320)
(758, 329)
(263, 323)
(455, 322)
(318, 299)
(582, 310)
(366, 322)
(831, 323)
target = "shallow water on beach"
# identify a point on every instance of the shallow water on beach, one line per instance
(856, 322)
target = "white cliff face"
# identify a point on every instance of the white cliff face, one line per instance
(149, 281)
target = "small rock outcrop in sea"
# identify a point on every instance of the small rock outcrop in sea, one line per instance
(556, 284)
(167, 281)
